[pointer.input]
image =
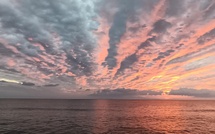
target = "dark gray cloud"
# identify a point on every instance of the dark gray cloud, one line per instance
(161, 26)
(116, 31)
(206, 37)
(118, 28)
(123, 93)
(203, 93)
(130, 93)
(162, 55)
(179, 46)
(27, 84)
(51, 85)
(131, 59)
(161, 64)
(146, 43)
(10, 70)
(58, 26)
(18, 91)
(127, 62)
(5, 51)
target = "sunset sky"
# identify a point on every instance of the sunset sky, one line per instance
(107, 47)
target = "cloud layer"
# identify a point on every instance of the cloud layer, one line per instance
(182, 93)
(158, 45)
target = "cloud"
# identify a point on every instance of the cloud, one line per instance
(27, 84)
(51, 85)
(175, 8)
(192, 55)
(127, 62)
(146, 43)
(70, 21)
(118, 28)
(206, 37)
(179, 46)
(131, 59)
(141, 94)
(54, 36)
(3, 81)
(116, 31)
(5, 51)
(123, 93)
(19, 91)
(162, 55)
(161, 26)
(203, 93)
(106, 44)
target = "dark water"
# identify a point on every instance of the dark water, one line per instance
(106, 117)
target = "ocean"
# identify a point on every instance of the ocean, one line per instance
(32, 116)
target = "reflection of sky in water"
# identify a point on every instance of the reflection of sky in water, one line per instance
(106, 116)
(155, 116)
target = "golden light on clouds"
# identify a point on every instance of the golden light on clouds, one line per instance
(143, 45)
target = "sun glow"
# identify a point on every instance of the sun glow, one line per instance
(10, 81)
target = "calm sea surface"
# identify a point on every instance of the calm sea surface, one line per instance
(106, 117)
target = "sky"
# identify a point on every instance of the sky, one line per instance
(107, 48)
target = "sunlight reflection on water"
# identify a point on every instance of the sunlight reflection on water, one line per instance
(106, 116)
